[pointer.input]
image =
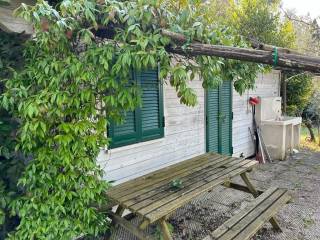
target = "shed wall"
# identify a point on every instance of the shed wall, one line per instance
(10, 23)
(184, 138)
(267, 85)
(184, 135)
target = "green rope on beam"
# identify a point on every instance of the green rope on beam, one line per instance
(275, 55)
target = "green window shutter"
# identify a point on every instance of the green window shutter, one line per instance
(212, 119)
(226, 118)
(145, 123)
(152, 105)
(126, 133)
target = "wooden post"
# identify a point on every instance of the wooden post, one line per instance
(119, 210)
(286, 57)
(119, 213)
(144, 225)
(250, 186)
(165, 230)
(130, 227)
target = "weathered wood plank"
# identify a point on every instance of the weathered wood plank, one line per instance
(144, 181)
(157, 182)
(254, 226)
(252, 216)
(150, 183)
(255, 193)
(143, 194)
(195, 190)
(242, 214)
(249, 220)
(166, 191)
(159, 172)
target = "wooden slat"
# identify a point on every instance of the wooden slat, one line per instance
(197, 189)
(150, 182)
(158, 182)
(124, 187)
(235, 219)
(254, 226)
(166, 191)
(138, 196)
(247, 222)
(157, 172)
(250, 217)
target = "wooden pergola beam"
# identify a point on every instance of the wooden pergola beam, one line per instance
(286, 58)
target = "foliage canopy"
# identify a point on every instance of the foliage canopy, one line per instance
(261, 20)
(299, 91)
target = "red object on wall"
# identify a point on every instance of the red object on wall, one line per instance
(254, 100)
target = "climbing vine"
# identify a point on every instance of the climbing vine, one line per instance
(76, 79)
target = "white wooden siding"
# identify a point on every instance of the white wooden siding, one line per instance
(10, 23)
(184, 138)
(267, 85)
(185, 133)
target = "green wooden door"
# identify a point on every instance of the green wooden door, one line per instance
(219, 119)
(212, 120)
(226, 118)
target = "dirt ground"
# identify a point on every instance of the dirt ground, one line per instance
(300, 219)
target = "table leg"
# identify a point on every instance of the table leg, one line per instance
(165, 230)
(118, 212)
(144, 225)
(255, 194)
(127, 225)
(250, 186)
(113, 224)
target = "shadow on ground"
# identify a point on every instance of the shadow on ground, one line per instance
(300, 219)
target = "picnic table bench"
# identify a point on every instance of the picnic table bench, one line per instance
(154, 199)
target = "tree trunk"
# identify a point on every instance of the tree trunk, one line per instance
(290, 61)
(309, 126)
(263, 53)
(285, 58)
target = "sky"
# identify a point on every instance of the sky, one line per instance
(303, 7)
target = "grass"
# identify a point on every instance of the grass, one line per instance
(304, 140)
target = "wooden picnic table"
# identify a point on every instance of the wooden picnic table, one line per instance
(153, 198)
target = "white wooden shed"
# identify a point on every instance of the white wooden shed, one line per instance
(185, 132)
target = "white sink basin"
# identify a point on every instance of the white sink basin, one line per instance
(284, 120)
